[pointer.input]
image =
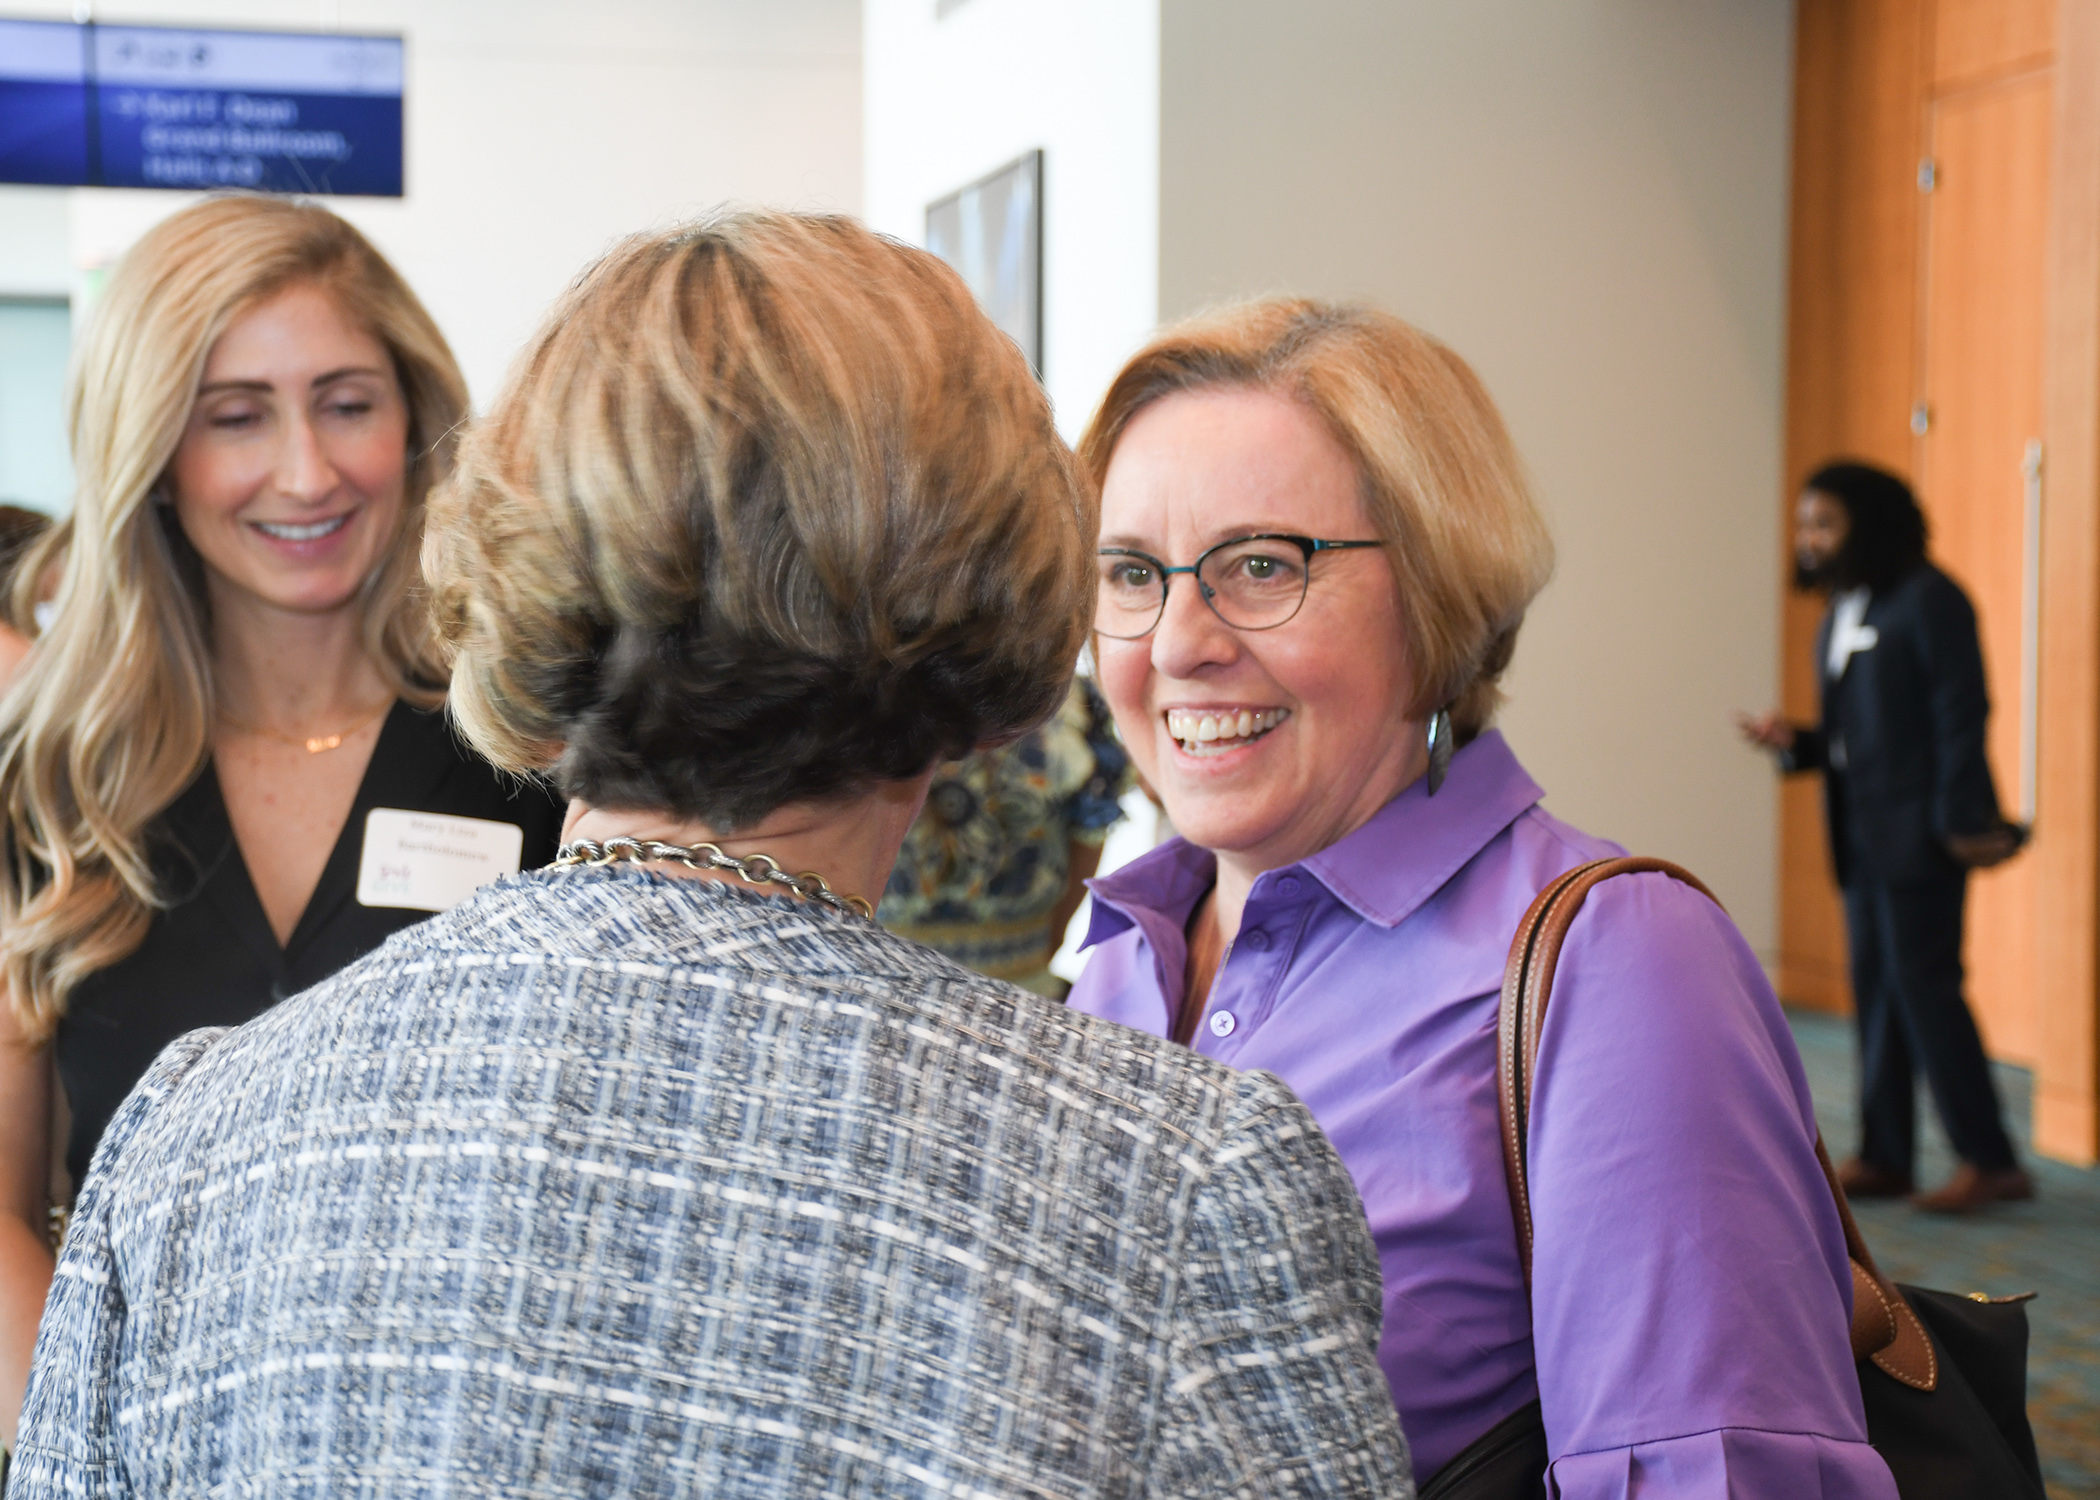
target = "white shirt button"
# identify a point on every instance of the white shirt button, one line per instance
(1222, 1023)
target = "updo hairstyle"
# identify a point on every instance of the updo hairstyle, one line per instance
(768, 511)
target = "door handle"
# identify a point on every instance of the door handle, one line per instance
(2031, 630)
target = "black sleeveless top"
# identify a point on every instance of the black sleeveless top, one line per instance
(210, 959)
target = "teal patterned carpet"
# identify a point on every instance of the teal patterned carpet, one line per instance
(2050, 1247)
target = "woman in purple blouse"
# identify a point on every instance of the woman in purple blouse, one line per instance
(1360, 546)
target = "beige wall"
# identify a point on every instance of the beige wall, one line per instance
(951, 96)
(1587, 198)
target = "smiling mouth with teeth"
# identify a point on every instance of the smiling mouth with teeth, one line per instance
(285, 531)
(1215, 731)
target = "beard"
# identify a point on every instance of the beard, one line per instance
(1817, 577)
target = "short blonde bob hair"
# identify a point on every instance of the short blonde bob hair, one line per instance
(110, 716)
(1442, 483)
(769, 511)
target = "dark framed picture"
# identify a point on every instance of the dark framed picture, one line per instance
(992, 233)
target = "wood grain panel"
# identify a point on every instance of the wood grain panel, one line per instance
(1859, 96)
(1987, 222)
(2067, 841)
(1872, 78)
(1975, 40)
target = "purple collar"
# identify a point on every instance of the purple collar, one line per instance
(1383, 871)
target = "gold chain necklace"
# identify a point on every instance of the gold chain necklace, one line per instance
(311, 744)
(758, 869)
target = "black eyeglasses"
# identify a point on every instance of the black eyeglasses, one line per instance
(1251, 583)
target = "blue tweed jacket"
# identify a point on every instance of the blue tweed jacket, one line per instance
(606, 1183)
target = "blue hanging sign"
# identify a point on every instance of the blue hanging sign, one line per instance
(153, 106)
(43, 103)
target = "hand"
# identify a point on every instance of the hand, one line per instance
(1979, 851)
(1772, 732)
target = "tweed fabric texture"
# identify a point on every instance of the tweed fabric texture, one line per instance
(607, 1183)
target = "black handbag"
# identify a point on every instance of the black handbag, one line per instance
(1943, 1377)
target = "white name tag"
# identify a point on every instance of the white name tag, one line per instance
(430, 861)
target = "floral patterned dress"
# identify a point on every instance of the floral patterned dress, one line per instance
(982, 870)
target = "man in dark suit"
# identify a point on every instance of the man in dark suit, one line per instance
(1912, 810)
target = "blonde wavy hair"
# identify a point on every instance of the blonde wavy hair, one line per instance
(1442, 483)
(110, 716)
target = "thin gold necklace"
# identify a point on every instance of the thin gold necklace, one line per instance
(311, 744)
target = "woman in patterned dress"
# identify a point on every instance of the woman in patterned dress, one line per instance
(997, 863)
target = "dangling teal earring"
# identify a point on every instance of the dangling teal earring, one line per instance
(1440, 748)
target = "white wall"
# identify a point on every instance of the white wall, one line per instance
(35, 243)
(1586, 198)
(36, 271)
(950, 98)
(538, 131)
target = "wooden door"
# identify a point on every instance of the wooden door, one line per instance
(1861, 72)
(1973, 40)
(1983, 349)
(1879, 273)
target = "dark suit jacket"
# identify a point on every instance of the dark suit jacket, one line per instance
(1901, 741)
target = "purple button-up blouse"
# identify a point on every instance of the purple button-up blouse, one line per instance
(1687, 1334)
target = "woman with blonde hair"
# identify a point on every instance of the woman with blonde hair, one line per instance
(667, 1171)
(213, 760)
(1317, 546)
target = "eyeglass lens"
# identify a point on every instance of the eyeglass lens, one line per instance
(1252, 584)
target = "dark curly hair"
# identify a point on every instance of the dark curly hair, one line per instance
(1885, 539)
(769, 512)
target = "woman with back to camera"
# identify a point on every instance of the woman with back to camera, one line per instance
(1317, 547)
(238, 669)
(667, 1171)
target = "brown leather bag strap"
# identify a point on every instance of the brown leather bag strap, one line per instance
(1883, 1326)
(1527, 982)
